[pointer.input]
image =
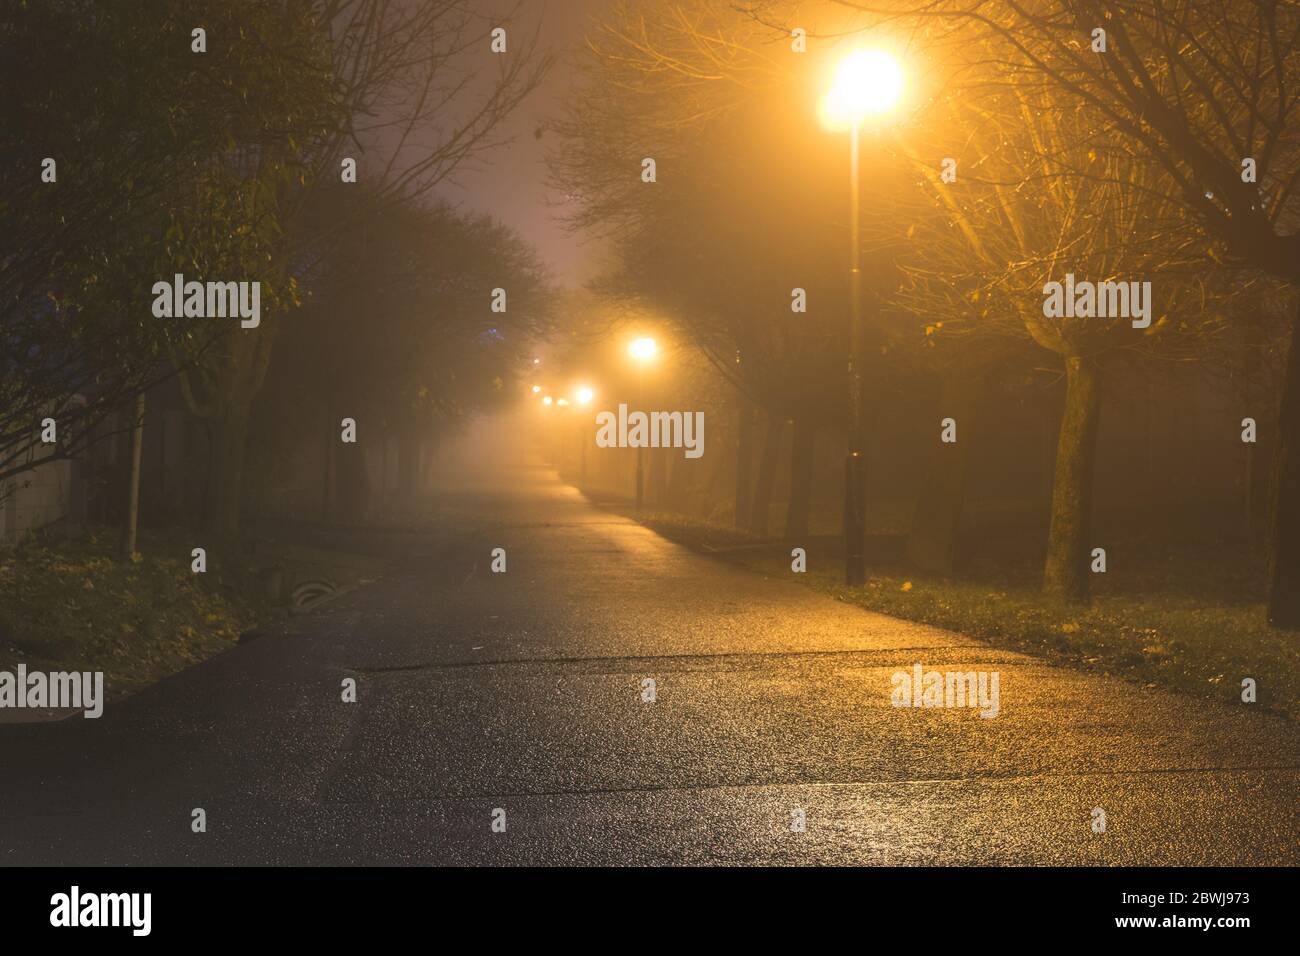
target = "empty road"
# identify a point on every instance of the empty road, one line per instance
(520, 697)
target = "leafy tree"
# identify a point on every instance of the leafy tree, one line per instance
(138, 128)
(400, 333)
(400, 72)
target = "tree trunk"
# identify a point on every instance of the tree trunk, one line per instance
(353, 484)
(1066, 575)
(678, 481)
(657, 468)
(1248, 488)
(132, 523)
(1284, 539)
(326, 488)
(713, 480)
(762, 506)
(936, 518)
(433, 451)
(1155, 493)
(744, 459)
(408, 464)
(803, 454)
(229, 435)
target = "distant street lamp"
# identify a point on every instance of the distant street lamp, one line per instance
(583, 395)
(867, 83)
(643, 351)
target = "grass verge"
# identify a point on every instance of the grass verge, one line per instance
(74, 606)
(1188, 616)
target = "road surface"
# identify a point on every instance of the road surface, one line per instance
(523, 693)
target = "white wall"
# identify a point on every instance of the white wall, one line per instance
(34, 499)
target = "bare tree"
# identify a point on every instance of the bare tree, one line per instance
(1202, 93)
(979, 265)
(733, 224)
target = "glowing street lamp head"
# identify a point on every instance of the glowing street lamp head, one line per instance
(562, 401)
(867, 83)
(643, 349)
(546, 400)
(584, 395)
(536, 389)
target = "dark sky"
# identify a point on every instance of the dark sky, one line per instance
(510, 184)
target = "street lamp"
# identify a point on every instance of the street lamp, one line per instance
(583, 395)
(867, 83)
(643, 351)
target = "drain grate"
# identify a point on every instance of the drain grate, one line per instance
(307, 594)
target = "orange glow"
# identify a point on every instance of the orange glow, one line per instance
(867, 83)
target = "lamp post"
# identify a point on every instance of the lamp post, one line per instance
(867, 82)
(583, 396)
(643, 351)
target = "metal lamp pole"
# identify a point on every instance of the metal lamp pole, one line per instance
(855, 464)
(640, 474)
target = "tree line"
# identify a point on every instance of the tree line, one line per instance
(1110, 141)
(220, 141)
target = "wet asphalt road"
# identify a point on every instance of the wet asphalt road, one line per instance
(523, 691)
